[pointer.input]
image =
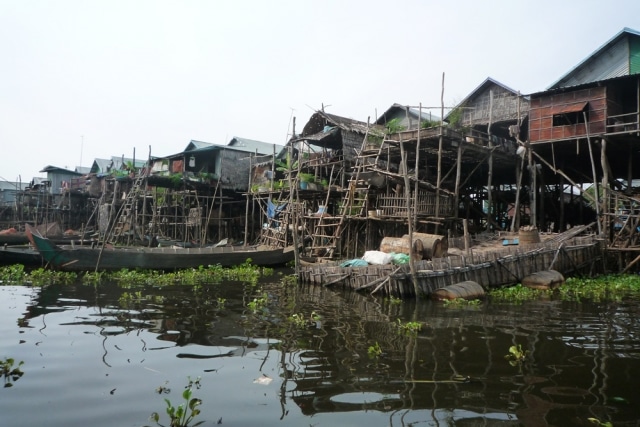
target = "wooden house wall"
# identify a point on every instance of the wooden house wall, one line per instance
(503, 108)
(60, 180)
(234, 170)
(351, 144)
(541, 114)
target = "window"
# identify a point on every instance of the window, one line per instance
(564, 115)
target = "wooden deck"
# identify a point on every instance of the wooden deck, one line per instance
(489, 268)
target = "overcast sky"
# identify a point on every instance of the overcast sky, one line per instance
(93, 79)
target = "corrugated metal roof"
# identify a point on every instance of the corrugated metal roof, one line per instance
(254, 146)
(571, 108)
(608, 61)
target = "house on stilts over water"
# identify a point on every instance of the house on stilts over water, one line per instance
(504, 186)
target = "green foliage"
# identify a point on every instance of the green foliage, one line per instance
(394, 126)
(374, 351)
(212, 274)
(183, 414)
(92, 278)
(42, 277)
(394, 300)
(258, 303)
(516, 355)
(599, 423)
(176, 179)
(425, 124)
(289, 280)
(9, 372)
(517, 294)
(307, 177)
(457, 302)
(409, 328)
(613, 287)
(12, 274)
(286, 166)
(298, 320)
(455, 117)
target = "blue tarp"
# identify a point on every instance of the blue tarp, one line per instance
(273, 211)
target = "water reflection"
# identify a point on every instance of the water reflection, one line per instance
(582, 357)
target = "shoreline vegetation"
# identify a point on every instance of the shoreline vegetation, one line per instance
(604, 287)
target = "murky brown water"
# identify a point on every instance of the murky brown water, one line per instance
(97, 357)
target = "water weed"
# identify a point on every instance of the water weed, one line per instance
(9, 372)
(516, 355)
(409, 328)
(42, 277)
(183, 414)
(12, 274)
(374, 351)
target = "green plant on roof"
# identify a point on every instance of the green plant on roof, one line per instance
(394, 126)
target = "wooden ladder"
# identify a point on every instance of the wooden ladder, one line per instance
(125, 219)
(329, 229)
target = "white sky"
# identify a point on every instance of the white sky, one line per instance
(86, 79)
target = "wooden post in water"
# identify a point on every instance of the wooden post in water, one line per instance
(593, 172)
(440, 142)
(417, 186)
(490, 174)
(407, 196)
(604, 162)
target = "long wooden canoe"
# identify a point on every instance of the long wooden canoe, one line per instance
(87, 258)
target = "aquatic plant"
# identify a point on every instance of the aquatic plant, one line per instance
(298, 320)
(609, 287)
(599, 423)
(517, 294)
(12, 274)
(183, 414)
(409, 327)
(92, 278)
(374, 351)
(220, 303)
(516, 355)
(258, 302)
(289, 280)
(460, 302)
(394, 300)
(9, 372)
(42, 277)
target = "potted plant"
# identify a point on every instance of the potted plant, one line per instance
(305, 179)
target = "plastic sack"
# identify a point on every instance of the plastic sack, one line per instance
(377, 257)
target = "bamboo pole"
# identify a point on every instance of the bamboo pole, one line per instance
(440, 142)
(515, 220)
(412, 266)
(593, 171)
(532, 185)
(417, 187)
(458, 177)
(490, 174)
(605, 183)
(246, 207)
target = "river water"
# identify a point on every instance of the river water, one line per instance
(283, 355)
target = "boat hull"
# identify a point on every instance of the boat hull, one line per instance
(86, 258)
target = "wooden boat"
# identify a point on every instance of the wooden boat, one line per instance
(87, 258)
(20, 254)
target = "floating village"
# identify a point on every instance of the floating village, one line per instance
(420, 200)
